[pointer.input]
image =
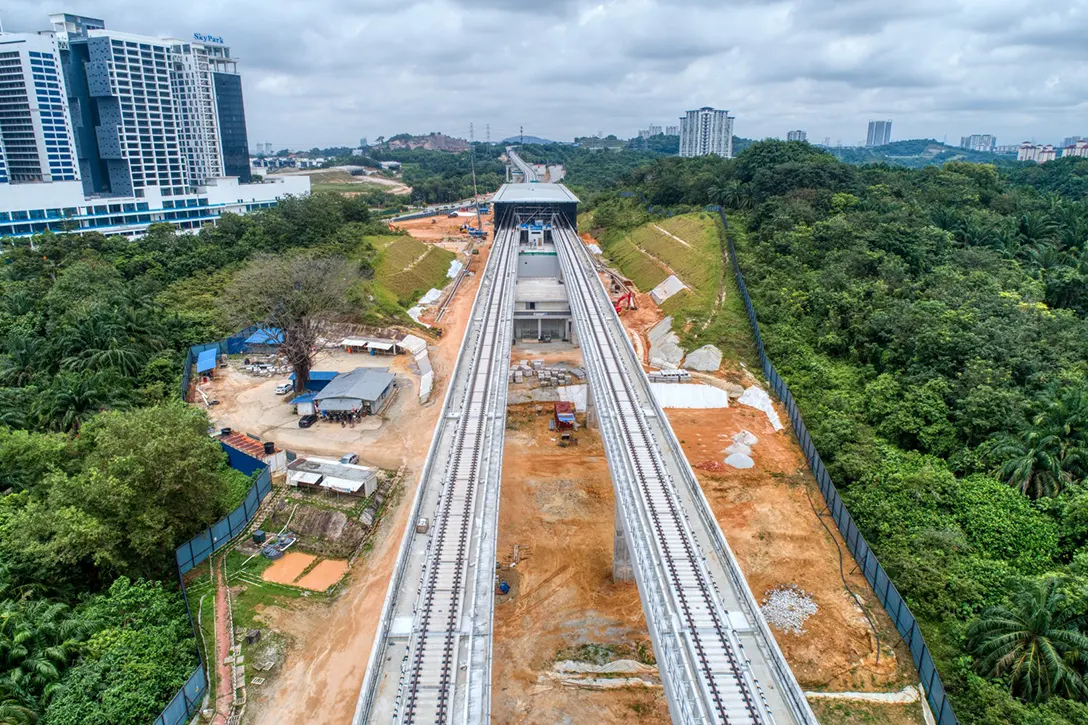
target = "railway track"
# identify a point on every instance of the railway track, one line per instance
(431, 661)
(697, 628)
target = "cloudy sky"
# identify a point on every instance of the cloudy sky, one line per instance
(326, 72)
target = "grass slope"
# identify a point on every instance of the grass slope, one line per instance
(711, 312)
(406, 267)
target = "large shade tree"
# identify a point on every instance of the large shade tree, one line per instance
(297, 295)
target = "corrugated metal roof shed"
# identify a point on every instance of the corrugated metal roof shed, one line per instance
(360, 384)
(246, 444)
(534, 194)
(320, 375)
(206, 360)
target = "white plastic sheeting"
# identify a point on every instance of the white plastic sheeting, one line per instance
(756, 397)
(415, 313)
(576, 394)
(739, 460)
(430, 298)
(455, 268)
(594, 248)
(413, 344)
(665, 350)
(689, 395)
(426, 382)
(670, 286)
(707, 359)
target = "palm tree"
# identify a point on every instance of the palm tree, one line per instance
(1036, 644)
(24, 353)
(1032, 464)
(71, 399)
(38, 640)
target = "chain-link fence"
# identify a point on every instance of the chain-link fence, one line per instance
(866, 560)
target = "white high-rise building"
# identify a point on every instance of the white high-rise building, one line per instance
(113, 132)
(706, 131)
(36, 141)
(672, 130)
(1039, 154)
(796, 136)
(880, 133)
(979, 142)
(1077, 148)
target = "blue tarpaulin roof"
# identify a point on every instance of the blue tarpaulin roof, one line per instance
(304, 398)
(266, 336)
(319, 375)
(566, 417)
(206, 360)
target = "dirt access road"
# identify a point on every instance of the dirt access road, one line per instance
(557, 506)
(330, 643)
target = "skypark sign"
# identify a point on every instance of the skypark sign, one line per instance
(208, 38)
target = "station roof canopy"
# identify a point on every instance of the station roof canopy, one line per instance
(206, 360)
(534, 194)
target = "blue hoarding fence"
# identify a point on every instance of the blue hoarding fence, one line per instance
(194, 551)
(187, 701)
(874, 573)
(227, 346)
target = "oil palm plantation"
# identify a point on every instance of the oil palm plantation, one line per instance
(1035, 644)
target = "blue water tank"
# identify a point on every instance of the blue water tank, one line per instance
(504, 587)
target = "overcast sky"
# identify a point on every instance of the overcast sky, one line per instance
(326, 72)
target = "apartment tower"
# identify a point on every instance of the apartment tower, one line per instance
(706, 131)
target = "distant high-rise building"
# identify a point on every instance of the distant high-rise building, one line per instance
(706, 131)
(672, 130)
(36, 141)
(796, 135)
(152, 112)
(979, 142)
(880, 133)
(1077, 148)
(651, 130)
(362, 143)
(1072, 140)
(1039, 154)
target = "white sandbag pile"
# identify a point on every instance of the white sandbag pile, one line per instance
(707, 359)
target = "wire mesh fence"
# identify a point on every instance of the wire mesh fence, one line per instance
(874, 573)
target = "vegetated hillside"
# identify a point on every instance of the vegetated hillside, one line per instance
(407, 267)
(916, 153)
(103, 471)
(709, 311)
(931, 324)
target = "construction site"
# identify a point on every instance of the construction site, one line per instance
(577, 470)
(589, 518)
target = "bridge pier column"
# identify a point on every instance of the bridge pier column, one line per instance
(622, 570)
(591, 408)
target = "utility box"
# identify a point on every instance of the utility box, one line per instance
(422, 525)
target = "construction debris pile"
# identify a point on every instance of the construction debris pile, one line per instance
(787, 607)
(547, 376)
(739, 453)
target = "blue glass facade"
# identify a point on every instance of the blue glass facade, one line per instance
(232, 125)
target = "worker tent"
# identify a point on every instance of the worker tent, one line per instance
(413, 344)
(264, 339)
(206, 360)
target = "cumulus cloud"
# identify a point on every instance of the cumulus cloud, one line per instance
(326, 72)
